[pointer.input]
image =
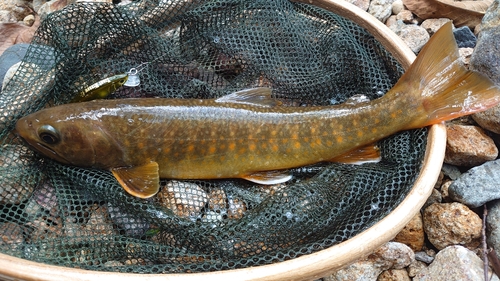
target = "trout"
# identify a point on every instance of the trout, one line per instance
(247, 134)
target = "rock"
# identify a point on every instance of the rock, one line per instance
(381, 9)
(187, 199)
(392, 20)
(489, 119)
(29, 20)
(493, 226)
(362, 4)
(445, 195)
(413, 35)
(452, 224)
(14, 54)
(454, 263)
(394, 275)
(425, 257)
(52, 6)
(464, 37)
(433, 25)
(133, 225)
(468, 146)
(415, 267)
(412, 234)
(486, 57)
(397, 7)
(478, 185)
(465, 54)
(14, 10)
(391, 255)
(451, 171)
(407, 17)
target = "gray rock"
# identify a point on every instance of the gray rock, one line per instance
(413, 35)
(392, 255)
(486, 56)
(478, 185)
(11, 56)
(454, 263)
(451, 171)
(493, 226)
(464, 37)
(381, 9)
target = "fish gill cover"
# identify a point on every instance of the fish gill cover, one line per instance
(75, 217)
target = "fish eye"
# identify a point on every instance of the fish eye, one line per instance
(48, 134)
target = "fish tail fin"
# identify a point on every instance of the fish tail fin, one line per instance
(445, 87)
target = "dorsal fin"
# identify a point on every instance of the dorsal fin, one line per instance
(254, 96)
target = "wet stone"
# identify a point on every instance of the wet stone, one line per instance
(452, 224)
(454, 263)
(468, 146)
(478, 185)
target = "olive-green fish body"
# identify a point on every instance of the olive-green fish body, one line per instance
(247, 134)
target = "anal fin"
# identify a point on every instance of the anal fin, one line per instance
(268, 177)
(139, 181)
(365, 154)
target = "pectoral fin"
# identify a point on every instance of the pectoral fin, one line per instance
(365, 154)
(268, 177)
(139, 181)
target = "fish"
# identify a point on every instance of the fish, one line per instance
(248, 134)
(101, 89)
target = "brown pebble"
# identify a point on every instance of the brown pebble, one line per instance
(452, 224)
(468, 146)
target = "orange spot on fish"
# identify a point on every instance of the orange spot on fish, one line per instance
(295, 136)
(275, 148)
(329, 143)
(252, 147)
(190, 148)
(296, 145)
(340, 139)
(212, 149)
(318, 141)
(374, 130)
(241, 151)
(360, 133)
(394, 115)
(232, 146)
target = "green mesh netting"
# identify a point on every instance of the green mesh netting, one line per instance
(82, 218)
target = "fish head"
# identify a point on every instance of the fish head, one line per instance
(80, 143)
